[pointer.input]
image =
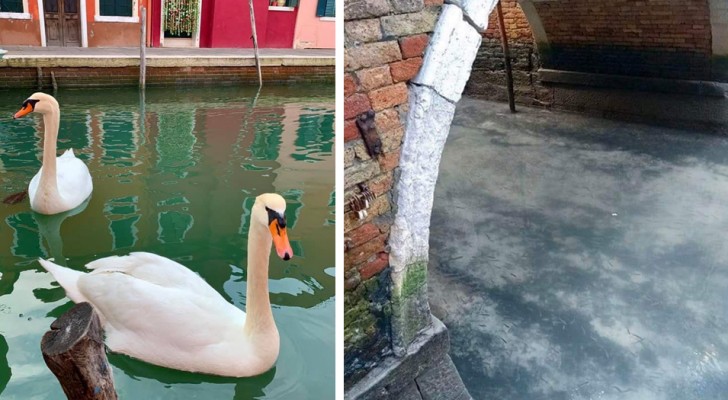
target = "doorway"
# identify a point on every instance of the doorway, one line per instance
(180, 23)
(62, 23)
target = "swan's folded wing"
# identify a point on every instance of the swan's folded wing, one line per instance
(157, 270)
(141, 316)
(74, 180)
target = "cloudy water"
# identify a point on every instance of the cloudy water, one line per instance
(579, 258)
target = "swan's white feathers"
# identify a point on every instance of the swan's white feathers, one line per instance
(122, 290)
(74, 182)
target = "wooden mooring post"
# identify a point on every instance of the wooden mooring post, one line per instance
(507, 56)
(74, 351)
(255, 43)
(143, 51)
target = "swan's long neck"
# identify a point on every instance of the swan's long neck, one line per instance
(259, 318)
(48, 181)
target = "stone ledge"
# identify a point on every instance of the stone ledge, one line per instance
(425, 372)
(110, 62)
(695, 88)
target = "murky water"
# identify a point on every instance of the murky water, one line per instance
(590, 259)
(177, 177)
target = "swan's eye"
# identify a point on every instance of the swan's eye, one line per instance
(31, 103)
(273, 215)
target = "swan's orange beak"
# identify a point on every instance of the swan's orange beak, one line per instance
(27, 109)
(280, 240)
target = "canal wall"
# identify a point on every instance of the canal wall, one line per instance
(120, 67)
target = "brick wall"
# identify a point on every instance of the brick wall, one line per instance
(385, 41)
(11, 77)
(652, 38)
(488, 77)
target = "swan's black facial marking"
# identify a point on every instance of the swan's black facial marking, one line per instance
(31, 103)
(274, 216)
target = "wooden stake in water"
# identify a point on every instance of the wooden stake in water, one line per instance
(143, 51)
(255, 43)
(507, 55)
(74, 351)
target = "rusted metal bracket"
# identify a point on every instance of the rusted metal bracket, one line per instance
(359, 203)
(365, 123)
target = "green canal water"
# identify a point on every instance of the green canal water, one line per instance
(176, 175)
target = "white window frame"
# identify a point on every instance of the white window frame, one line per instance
(113, 18)
(16, 15)
(331, 19)
(281, 8)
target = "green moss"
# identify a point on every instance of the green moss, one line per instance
(409, 307)
(414, 279)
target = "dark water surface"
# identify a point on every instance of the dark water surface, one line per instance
(177, 177)
(591, 259)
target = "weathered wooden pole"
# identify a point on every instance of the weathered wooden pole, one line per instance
(255, 43)
(53, 81)
(74, 351)
(143, 51)
(507, 55)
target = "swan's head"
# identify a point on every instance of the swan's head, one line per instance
(269, 209)
(37, 102)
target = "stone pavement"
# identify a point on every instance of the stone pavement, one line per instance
(426, 372)
(21, 56)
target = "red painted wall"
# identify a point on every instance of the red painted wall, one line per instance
(208, 8)
(156, 21)
(228, 24)
(281, 26)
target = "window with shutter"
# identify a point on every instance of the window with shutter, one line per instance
(15, 6)
(116, 8)
(326, 8)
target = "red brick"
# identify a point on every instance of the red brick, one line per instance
(351, 131)
(374, 266)
(389, 161)
(387, 120)
(405, 70)
(388, 97)
(360, 254)
(362, 234)
(381, 184)
(349, 85)
(414, 46)
(355, 105)
(374, 78)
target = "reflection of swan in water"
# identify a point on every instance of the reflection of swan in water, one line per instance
(49, 227)
(245, 388)
(5, 371)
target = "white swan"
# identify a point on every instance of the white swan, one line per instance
(62, 183)
(156, 310)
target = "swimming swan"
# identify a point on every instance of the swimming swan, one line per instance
(158, 311)
(62, 183)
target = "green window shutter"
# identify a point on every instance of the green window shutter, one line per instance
(330, 8)
(11, 6)
(123, 8)
(321, 8)
(116, 8)
(292, 3)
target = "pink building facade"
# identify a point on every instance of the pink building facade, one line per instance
(299, 24)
